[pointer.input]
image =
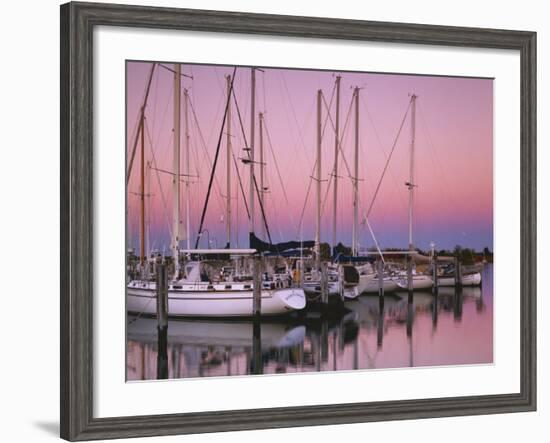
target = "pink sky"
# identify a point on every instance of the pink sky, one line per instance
(454, 154)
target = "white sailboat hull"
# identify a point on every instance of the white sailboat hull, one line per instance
(467, 280)
(369, 284)
(419, 282)
(215, 303)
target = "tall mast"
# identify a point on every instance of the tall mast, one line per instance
(262, 166)
(228, 165)
(187, 162)
(149, 196)
(142, 116)
(411, 185)
(252, 123)
(318, 179)
(356, 177)
(142, 196)
(336, 149)
(176, 171)
(139, 135)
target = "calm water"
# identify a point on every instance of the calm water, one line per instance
(453, 328)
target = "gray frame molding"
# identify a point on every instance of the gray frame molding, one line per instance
(77, 24)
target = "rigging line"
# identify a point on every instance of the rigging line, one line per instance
(315, 163)
(388, 160)
(293, 112)
(307, 196)
(279, 174)
(234, 159)
(158, 179)
(342, 152)
(204, 147)
(137, 124)
(327, 193)
(155, 93)
(254, 177)
(360, 200)
(142, 312)
(343, 135)
(240, 182)
(215, 160)
(218, 109)
(376, 244)
(163, 119)
(328, 109)
(380, 144)
(263, 88)
(194, 149)
(173, 72)
(263, 211)
(279, 230)
(141, 122)
(342, 140)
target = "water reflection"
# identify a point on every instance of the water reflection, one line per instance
(450, 327)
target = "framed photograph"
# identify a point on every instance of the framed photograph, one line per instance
(272, 221)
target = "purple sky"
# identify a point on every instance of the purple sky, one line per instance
(454, 154)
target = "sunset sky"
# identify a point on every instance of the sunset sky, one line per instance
(453, 158)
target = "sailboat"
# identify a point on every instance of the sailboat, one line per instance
(418, 281)
(471, 278)
(367, 278)
(197, 294)
(368, 281)
(312, 281)
(193, 292)
(471, 275)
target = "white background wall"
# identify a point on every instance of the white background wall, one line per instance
(29, 184)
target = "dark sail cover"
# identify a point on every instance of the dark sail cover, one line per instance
(278, 248)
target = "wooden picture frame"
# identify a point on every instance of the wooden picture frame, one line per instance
(77, 23)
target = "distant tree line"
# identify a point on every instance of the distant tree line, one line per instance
(466, 255)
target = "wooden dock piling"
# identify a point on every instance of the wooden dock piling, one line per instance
(380, 323)
(324, 284)
(458, 273)
(435, 313)
(410, 316)
(257, 361)
(409, 275)
(458, 302)
(380, 271)
(434, 272)
(162, 296)
(162, 321)
(256, 316)
(257, 287)
(323, 335)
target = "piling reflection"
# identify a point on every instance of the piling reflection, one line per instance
(444, 327)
